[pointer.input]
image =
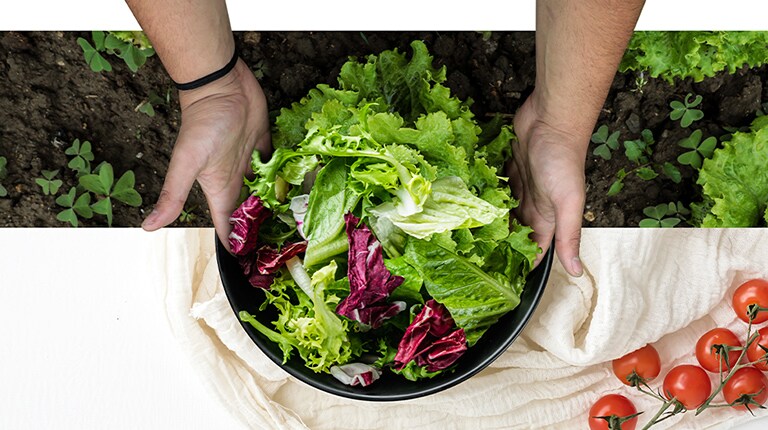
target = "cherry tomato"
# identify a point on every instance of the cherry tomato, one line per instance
(709, 357)
(689, 384)
(641, 364)
(751, 292)
(754, 352)
(612, 405)
(746, 385)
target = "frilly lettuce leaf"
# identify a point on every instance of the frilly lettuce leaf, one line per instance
(308, 325)
(735, 181)
(695, 54)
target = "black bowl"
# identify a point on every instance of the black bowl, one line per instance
(242, 296)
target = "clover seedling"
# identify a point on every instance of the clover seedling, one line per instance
(148, 106)
(81, 163)
(74, 207)
(606, 143)
(639, 150)
(3, 175)
(102, 184)
(658, 216)
(188, 216)
(92, 53)
(698, 150)
(48, 183)
(685, 112)
(132, 46)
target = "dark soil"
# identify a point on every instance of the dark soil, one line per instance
(49, 97)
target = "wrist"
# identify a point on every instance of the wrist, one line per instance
(233, 82)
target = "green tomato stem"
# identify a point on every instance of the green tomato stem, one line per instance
(655, 419)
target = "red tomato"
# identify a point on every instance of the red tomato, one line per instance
(643, 364)
(615, 406)
(747, 385)
(689, 384)
(709, 357)
(751, 292)
(754, 352)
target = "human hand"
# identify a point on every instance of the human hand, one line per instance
(221, 124)
(547, 175)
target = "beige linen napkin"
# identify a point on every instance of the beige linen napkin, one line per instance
(640, 285)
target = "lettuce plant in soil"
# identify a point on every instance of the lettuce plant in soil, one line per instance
(734, 182)
(379, 229)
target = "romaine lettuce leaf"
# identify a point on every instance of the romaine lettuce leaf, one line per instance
(475, 298)
(450, 206)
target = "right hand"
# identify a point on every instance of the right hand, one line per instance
(547, 175)
(221, 125)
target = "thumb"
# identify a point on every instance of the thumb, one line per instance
(568, 233)
(182, 172)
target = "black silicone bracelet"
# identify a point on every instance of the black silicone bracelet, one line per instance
(207, 79)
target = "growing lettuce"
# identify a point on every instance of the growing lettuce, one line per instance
(735, 181)
(695, 54)
(402, 253)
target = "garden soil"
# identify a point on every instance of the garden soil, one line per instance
(49, 97)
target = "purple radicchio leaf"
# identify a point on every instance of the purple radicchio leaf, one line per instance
(260, 266)
(269, 260)
(429, 339)
(256, 279)
(356, 374)
(374, 316)
(246, 221)
(370, 282)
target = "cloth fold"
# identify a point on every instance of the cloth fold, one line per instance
(660, 286)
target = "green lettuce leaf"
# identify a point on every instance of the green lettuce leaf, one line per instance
(735, 181)
(475, 298)
(450, 206)
(308, 325)
(696, 54)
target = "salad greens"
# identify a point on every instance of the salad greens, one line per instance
(735, 181)
(405, 225)
(696, 54)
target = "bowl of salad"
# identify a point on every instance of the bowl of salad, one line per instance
(374, 257)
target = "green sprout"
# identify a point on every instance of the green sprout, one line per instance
(48, 183)
(74, 206)
(639, 150)
(685, 112)
(699, 150)
(103, 186)
(187, 216)
(665, 215)
(606, 143)
(92, 53)
(147, 106)
(81, 163)
(132, 47)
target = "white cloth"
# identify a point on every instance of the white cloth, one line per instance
(660, 286)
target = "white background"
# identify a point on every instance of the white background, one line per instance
(382, 15)
(83, 340)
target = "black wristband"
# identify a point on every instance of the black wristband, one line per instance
(207, 79)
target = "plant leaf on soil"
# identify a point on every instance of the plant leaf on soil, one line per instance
(672, 172)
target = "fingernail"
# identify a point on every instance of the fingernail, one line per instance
(576, 268)
(150, 219)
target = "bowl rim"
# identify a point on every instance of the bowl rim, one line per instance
(533, 293)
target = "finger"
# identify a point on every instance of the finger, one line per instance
(568, 233)
(221, 210)
(543, 230)
(182, 172)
